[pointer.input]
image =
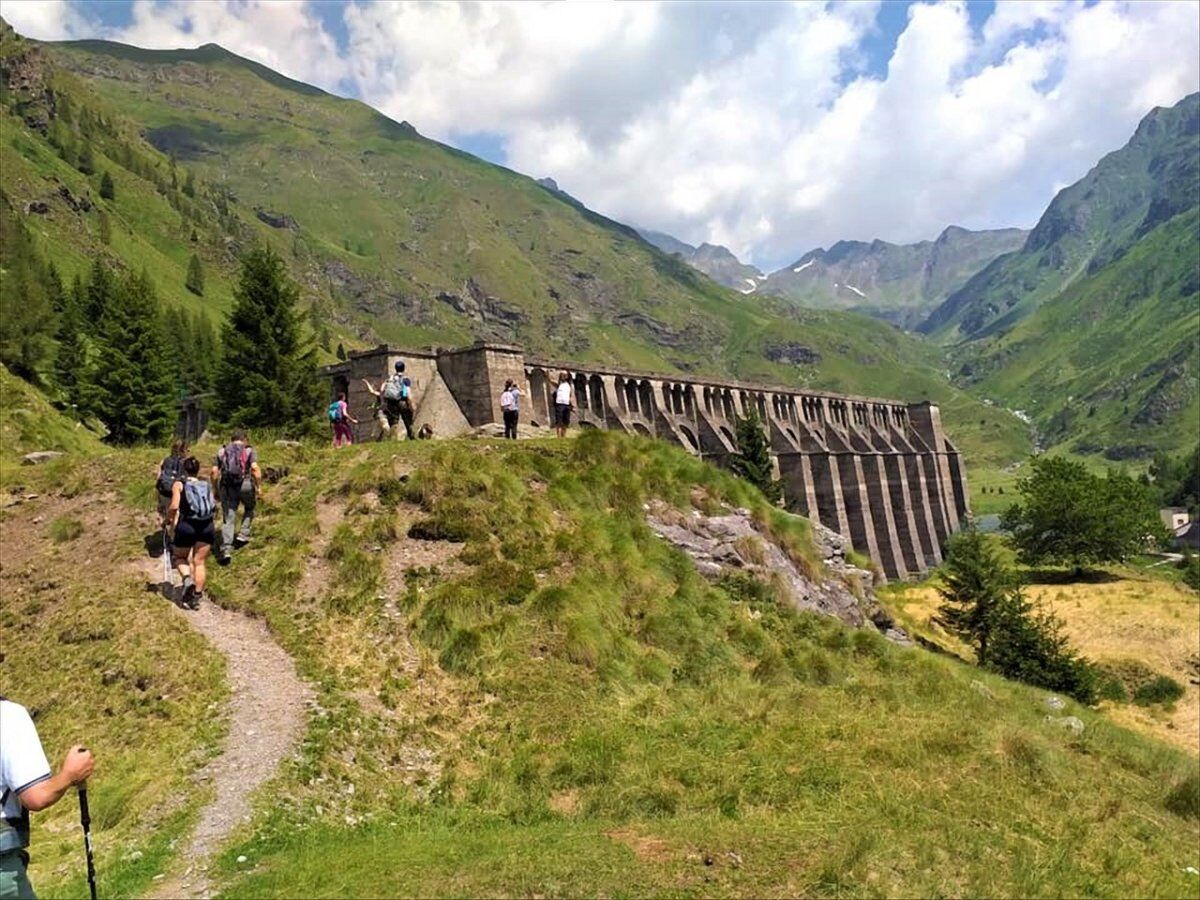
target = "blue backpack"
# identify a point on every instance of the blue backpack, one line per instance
(335, 411)
(198, 495)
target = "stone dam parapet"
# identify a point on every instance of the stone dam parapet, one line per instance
(881, 473)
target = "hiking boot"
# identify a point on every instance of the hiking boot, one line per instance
(224, 559)
(196, 599)
(241, 540)
(189, 593)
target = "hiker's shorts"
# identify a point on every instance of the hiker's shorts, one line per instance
(14, 883)
(562, 415)
(189, 533)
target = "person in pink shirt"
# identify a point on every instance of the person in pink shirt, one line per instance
(341, 420)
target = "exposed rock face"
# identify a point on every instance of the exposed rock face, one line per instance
(732, 541)
(498, 318)
(792, 354)
(276, 220)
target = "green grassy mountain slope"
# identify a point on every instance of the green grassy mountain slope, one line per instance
(395, 237)
(1112, 364)
(899, 283)
(489, 721)
(1087, 225)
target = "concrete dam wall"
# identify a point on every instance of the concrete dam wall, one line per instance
(880, 472)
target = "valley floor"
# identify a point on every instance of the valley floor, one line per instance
(1128, 614)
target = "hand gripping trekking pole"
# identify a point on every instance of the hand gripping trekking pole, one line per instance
(86, 821)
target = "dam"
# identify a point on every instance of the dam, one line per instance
(882, 473)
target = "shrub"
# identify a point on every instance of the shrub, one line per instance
(1160, 689)
(1184, 798)
(65, 529)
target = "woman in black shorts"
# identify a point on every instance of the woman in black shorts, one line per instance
(191, 513)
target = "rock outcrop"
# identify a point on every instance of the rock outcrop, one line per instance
(733, 542)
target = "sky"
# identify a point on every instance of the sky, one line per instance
(771, 128)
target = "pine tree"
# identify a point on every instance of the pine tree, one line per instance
(100, 289)
(136, 393)
(267, 375)
(106, 187)
(974, 580)
(87, 162)
(341, 353)
(753, 459)
(195, 276)
(27, 314)
(105, 229)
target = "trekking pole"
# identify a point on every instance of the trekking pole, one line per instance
(166, 555)
(86, 821)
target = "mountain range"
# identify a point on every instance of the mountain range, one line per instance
(717, 262)
(899, 283)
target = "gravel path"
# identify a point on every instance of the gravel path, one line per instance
(267, 716)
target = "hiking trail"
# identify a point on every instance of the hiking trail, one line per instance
(266, 722)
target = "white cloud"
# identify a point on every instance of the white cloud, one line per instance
(751, 125)
(45, 20)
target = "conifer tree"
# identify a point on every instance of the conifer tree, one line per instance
(753, 459)
(267, 375)
(27, 315)
(974, 581)
(99, 292)
(195, 276)
(105, 229)
(106, 187)
(341, 352)
(136, 392)
(87, 162)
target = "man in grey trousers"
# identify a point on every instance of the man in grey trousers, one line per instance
(236, 477)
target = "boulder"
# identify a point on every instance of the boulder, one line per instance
(38, 457)
(38, 207)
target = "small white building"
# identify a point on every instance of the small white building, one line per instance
(1174, 517)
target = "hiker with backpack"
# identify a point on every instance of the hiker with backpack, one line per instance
(170, 470)
(192, 509)
(26, 785)
(237, 477)
(396, 394)
(341, 420)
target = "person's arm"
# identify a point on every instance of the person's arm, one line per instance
(369, 388)
(173, 509)
(255, 472)
(76, 768)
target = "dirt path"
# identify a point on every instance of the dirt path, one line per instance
(267, 715)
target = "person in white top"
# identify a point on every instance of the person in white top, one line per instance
(563, 402)
(510, 406)
(26, 785)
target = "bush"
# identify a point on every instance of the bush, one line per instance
(65, 529)
(1184, 799)
(1191, 571)
(1161, 689)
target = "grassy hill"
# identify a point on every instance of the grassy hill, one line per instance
(539, 696)
(396, 237)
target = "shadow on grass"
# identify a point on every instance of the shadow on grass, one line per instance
(1070, 576)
